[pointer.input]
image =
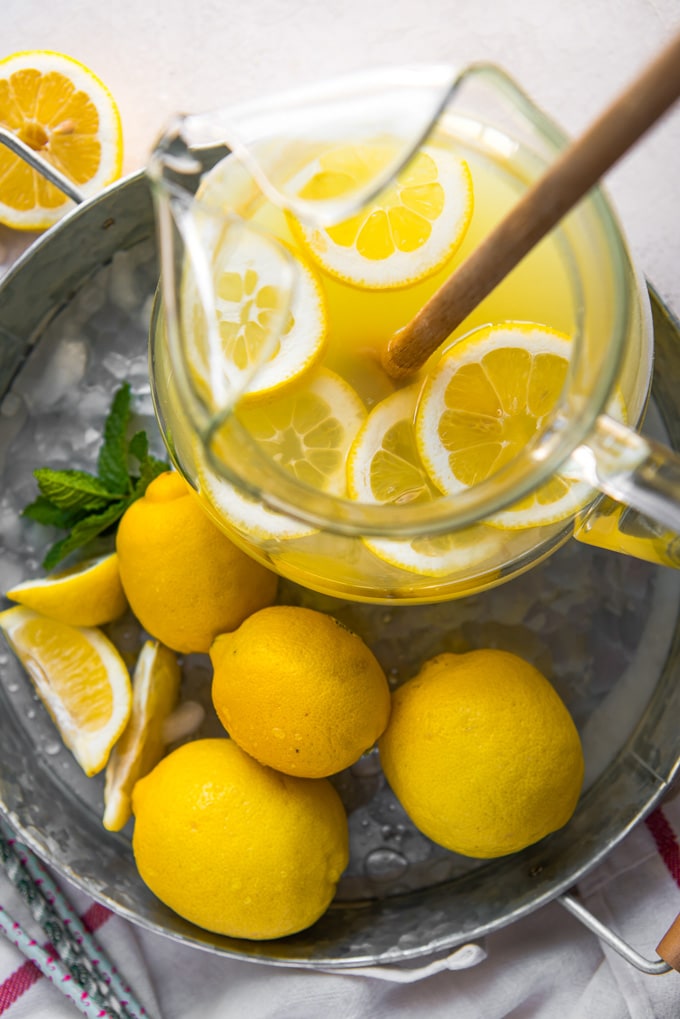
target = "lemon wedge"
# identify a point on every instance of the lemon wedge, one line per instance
(384, 466)
(89, 594)
(80, 678)
(155, 690)
(62, 110)
(402, 236)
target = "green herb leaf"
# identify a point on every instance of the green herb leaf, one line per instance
(46, 513)
(84, 531)
(73, 490)
(112, 463)
(88, 505)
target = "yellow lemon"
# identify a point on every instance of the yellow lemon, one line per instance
(89, 594)
(80, 678)
(235, 847)
(155, 690)
(184, 579)
(482, 753)
(404, 234)
(384, 466)
(62, 110)
(298, 691)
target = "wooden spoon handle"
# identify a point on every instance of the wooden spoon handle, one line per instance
(669, 946)
(573, 174)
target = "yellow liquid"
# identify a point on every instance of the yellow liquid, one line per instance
(360, 322)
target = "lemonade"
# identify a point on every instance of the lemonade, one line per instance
(309, 448)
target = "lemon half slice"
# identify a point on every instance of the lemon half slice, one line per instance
(64, 112)
(403, 235)
(80, 678)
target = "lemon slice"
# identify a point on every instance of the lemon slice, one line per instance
(309, 431)
(89, 594)
(80, 678)
(384, 466)
(251, 302)
(484, 401)
(403, 235)
(243, 511)
(155, 690)
(64, 112)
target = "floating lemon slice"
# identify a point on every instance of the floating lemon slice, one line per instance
(403, 235)
(268, 301)
(487, 397)
(384, 466)
(243, 511)
(80, 678)
(90, 594)
(309, 431)
(64, 112)
(155, 690)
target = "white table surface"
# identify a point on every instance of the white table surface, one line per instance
(572, 56)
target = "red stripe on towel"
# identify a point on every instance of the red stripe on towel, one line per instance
(666, 841)
(25, 976)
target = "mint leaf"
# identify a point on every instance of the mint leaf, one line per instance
(87, 505)
(139, 446)
(84, 531)
(112, 463)
(45, 512)
(73, 490)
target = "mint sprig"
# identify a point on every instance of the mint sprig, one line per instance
(88, 505)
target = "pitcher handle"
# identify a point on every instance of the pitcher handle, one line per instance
(642, 476)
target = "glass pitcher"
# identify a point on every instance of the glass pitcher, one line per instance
(296, 236)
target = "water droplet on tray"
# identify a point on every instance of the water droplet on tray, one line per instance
(385, 864)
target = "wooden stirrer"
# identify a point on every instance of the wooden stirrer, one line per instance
(577, 170)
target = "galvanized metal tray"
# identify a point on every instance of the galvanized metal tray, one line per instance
(74, 314)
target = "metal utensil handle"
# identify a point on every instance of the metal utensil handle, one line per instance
(655, 967)
(41, 165)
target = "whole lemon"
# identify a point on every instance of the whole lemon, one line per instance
(299, 691)
(482, 753)
(235, 847)
(184, 579)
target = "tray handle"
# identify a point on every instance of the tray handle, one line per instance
(668, 949)
(35, 161)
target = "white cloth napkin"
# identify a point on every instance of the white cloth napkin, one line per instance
(546, 966)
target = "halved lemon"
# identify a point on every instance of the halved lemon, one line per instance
(80, 678)
(89, 594)
(403, 235)
(155, 690)
(486, 398)
(309, 430)
(64, 112)
(384, 466)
